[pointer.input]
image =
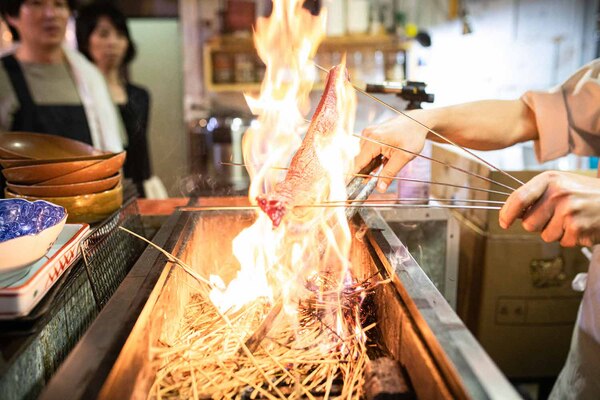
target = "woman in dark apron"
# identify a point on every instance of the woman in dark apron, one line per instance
(67, 120)
(46, 88)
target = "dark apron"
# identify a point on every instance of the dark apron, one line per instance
(67, 121)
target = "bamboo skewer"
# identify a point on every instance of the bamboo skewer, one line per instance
(325, 205)
(411, 199)
(438, 135)
(397, 178)
(232, 164)
(171, 258)
(445, 164)
(390, 206)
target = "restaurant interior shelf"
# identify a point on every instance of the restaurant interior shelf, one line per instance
(232, 65)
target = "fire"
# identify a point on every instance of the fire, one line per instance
(278, 262)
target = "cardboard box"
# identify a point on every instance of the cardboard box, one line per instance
(514, 290)
(527, 306)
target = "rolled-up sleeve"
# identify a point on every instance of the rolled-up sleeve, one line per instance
(568, 116)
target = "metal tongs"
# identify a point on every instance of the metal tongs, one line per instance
(360, 187)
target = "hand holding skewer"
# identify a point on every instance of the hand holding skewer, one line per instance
(387, 132)
(562, 206)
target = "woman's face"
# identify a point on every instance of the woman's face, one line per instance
(42, 23)
(107, 45)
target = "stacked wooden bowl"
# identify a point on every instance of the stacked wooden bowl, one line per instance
(84, 180)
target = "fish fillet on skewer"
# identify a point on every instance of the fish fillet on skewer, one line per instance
(305, 172)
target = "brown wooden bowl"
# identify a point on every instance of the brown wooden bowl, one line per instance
(83, 208)
(22, 162)
(42, 146)
(31, 174)
(74, 189)
(99, 170)
(7, 154)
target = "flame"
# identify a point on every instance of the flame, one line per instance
(278, 262)
(286, 42)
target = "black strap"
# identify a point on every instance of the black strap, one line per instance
(17, 78)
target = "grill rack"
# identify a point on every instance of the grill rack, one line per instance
(109, 252)
(416, 325)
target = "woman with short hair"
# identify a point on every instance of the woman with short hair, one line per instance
(103, 37)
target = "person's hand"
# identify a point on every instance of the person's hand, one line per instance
(562, 206)
(400, 132)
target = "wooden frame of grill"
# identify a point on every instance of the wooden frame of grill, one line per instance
(442, 359)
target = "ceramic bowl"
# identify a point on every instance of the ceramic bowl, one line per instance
(72, 189)
(27, 231)
(87, 208)
(42, 146)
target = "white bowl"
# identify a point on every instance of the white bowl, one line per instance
(27, 231)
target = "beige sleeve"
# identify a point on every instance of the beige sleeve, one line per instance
(568, 116)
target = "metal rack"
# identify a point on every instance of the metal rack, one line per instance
(416, 324)
(432, 236)
(32, 348)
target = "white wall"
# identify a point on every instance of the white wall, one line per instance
(159, 67)
(516, 45)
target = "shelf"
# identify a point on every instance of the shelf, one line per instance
(233, 87)
(232, 46)
(373, 42)
(232, 43)
(246, 87)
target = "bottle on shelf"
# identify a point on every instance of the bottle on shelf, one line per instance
(244, 68)
(377, 25)
(358, 16)
(378, 74)
(336, 58)
(394, 66)
(336, 17)
(400, 25)
(222, 64)
(356, 68)
(373, 69)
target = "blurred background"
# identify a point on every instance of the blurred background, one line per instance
(463, 50)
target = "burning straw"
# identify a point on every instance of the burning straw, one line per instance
(302, 356)
(315, 347)
(314, 353)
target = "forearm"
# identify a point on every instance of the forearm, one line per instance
(482, 125)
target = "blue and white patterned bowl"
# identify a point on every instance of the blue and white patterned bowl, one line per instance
(27, 231)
